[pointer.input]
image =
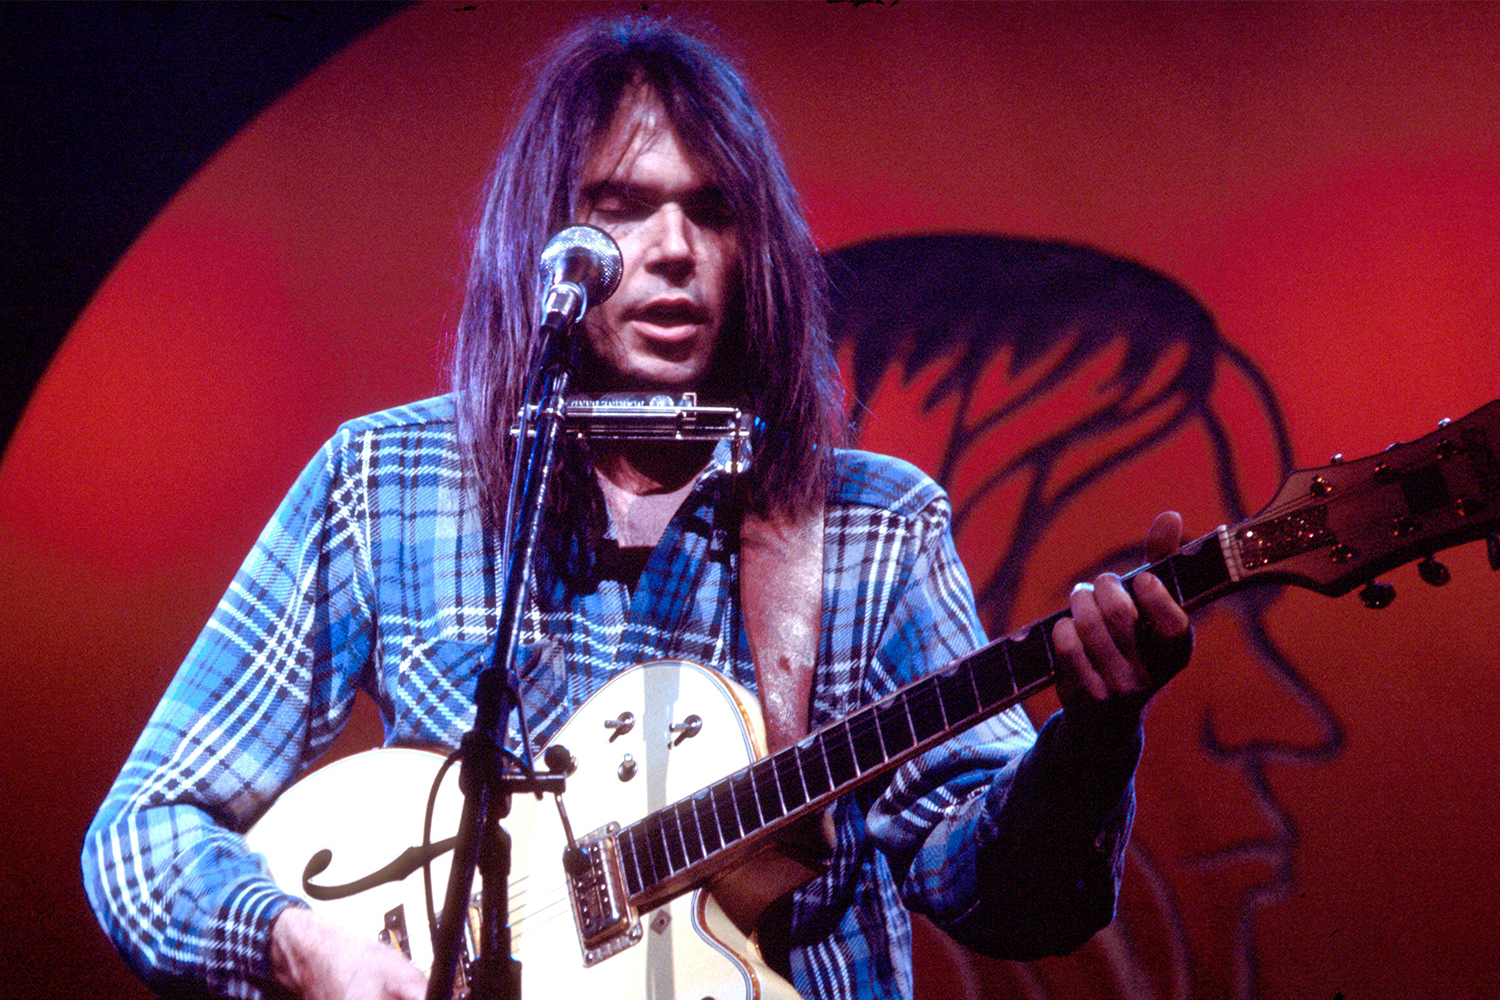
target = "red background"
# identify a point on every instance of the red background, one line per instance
(1326, 179)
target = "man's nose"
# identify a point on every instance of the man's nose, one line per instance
(671, 249)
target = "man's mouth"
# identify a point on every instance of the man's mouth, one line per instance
(671, 313)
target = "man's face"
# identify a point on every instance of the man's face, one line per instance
(663, 207)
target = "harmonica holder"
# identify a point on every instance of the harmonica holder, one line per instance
(654, 417)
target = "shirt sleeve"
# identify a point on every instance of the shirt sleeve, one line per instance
(1011, 841)
(265, 688)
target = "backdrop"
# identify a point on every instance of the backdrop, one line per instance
(1316, 816)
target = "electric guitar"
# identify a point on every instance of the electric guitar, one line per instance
(675, 788)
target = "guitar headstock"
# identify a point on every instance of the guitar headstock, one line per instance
(1333, 528)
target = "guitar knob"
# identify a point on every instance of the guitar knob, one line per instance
(575, 862)
(559, 760)
(627, 768)
(1377, 595)
(1434, 572)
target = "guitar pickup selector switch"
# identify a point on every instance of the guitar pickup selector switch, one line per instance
(621, 724)
(686, 729)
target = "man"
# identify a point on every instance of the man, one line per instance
(377, 573)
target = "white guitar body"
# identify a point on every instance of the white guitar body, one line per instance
(368, 808)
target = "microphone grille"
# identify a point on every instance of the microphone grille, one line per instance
(585, 255)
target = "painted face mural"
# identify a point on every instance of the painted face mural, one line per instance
(1055, 391)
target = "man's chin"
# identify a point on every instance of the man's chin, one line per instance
(671, 380)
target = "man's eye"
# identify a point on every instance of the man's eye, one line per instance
(711, 213)
(618, 207)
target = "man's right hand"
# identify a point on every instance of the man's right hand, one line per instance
(323, 961)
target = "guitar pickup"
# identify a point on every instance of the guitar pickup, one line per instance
(602, 912)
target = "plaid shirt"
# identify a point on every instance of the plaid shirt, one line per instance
(375, 574)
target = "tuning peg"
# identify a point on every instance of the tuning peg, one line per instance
(1434, 572)
(1493, 544)
(1377, 595)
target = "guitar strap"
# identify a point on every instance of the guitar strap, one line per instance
(781, 598)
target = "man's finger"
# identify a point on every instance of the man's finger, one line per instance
(1165, 535)
(1075, 676)
(1162, 612)
(1102, 646)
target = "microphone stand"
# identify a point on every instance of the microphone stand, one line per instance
(487, 788)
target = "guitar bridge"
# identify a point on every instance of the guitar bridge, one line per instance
(606, 922)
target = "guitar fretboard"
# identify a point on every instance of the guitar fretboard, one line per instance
(783, 787)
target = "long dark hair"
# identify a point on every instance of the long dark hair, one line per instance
(789, 375)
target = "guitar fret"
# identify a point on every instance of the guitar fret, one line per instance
(670, 843)
(868, 752)
(744, 801)
(642, 874)
(700, 842)
(895, 727)
(626, 842)
(1010, 667)
(924, 709)
(778, 777)
(1202, 566)
(725, 811)
(956, 693)
(839, 755)
(1028, 660)
(676, 843)
(767, 794)
(692, 843)
(815, 780)
(1169, 565)
(789, 769)
(704, 797)
(986, 673)
(656, 848)
(974, 683)
(653, 853)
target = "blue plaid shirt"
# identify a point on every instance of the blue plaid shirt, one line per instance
(375, 574)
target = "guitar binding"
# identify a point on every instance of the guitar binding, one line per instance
(607, 924)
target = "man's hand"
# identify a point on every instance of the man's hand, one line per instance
(323, 961)
(1114, 653)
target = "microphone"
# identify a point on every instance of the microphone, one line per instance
(580, 267)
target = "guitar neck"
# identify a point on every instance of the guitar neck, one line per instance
(684, 844)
